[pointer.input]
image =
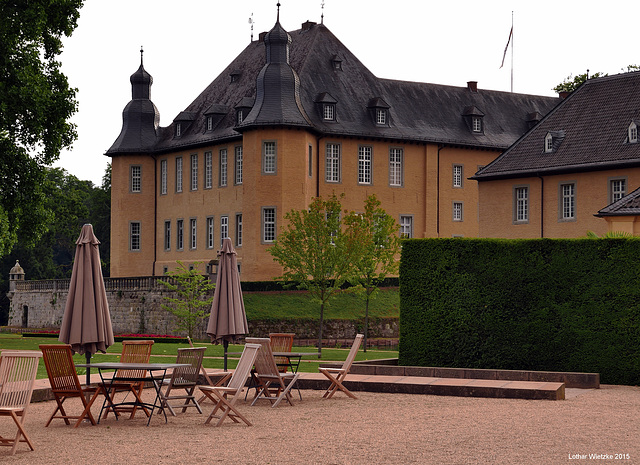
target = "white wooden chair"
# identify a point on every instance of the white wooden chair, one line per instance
(273, 385)
(225, 397)
(18, 370)
(337, 375)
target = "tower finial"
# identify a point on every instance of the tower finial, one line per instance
(251, 21)
(278, 18)
(141, 54)
(322, 13)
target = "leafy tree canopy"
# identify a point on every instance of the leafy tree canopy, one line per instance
(571, 83)
(36, 103)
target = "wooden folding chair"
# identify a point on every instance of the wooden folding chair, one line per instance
(282, 342)
(18, 370)
(184, 378)
(337, 375)
(58, 359)
(225, 375)
(274, 386)
(132, 352)
(225, 397)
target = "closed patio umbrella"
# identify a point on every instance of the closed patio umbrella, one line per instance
(228, 319)
(86, 323)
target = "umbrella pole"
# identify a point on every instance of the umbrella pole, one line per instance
(88, 358)
(226, 346)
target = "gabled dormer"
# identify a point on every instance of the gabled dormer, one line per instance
(235, 75)
(213, 115)
(552, 141)
(474, 119)
(182, 122)
(632, 132)
(327, 106)
(379, 111)
(243, 108)
(336, 63)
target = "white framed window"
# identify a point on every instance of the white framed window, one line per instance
(617, 189)
(381, 116)
(178, 129)
(208, 170)
(239, 116)
(167, 235)
(268, 224)
(238, 165)
(180, 234)
(364, 164)
(209, 123)
(568, 201)
(406, 226)
(210, 232)
(193, 233)
(332, 163)
(396, 163)
(457, 176)
(163, 177)
(476, 124)
(633, 133)
(222, 181)
(329, 112)
(134, 236)
(521, 204)
(548, 143)
(269, 157)
(238, 229)
(457, 211)
(194, 172)
(179, 174)
(224, 228)
(136, 178)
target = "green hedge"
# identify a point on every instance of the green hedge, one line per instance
(542, 304)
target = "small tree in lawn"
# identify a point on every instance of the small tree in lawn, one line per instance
(374, 236)
(192, 304)
(311, 250)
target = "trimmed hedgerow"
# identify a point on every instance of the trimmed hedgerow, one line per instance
(542, 304)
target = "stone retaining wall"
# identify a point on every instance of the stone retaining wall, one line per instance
(135, 307)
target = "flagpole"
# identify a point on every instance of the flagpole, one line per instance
(512, 43)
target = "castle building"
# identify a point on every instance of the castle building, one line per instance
(296, 115)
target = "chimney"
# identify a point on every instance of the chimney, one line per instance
(308, 25)
(472, 86)
(262, 36)
(564, 94)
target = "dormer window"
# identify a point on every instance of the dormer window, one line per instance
(183, 121)
(552, 141)
(474, 119)
(633, 133)
(235, 76)
(336, 63)
(548, 143)
(178, 129)
(239, 116)
(209, 123)
(326, 106)
(380, 111)
(243, 108)
(329, 111)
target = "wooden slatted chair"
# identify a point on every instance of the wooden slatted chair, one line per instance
(282, 342)
(18, 369)
(225, 397)
(337, 375)
(224, 376)
(184, 378)
(58, 359)
(132, 352)
(274, 386)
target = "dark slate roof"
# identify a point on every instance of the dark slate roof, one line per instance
(629, 205)
(418, 112)
(589, 130)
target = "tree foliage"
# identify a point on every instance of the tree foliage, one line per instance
(192, 304)
(571, 83)
(36, 103)
(374, 237)
(313, 251)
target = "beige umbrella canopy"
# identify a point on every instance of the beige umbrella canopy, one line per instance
(228, 319)
(86, 323)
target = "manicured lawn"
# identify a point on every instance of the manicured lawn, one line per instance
(166, 352)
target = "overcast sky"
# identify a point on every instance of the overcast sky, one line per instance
(187, 44)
